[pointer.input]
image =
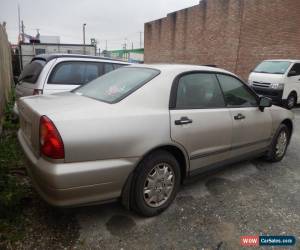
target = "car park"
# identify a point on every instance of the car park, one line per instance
(279, 80)
(52, 73)
(138, 132)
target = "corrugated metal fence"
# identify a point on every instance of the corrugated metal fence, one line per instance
(6, 76)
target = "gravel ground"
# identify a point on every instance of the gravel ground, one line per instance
(212, 212)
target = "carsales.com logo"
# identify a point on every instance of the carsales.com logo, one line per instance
(255, 241)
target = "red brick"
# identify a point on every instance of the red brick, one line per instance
(233, 34)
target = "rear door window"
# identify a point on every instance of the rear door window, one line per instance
(108, 67)
(199, 91)
(75, 73)
(235, 93)
(91, 72)
(32, 71)
(116, 66)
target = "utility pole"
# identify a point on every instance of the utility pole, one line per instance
(37, 34)
(141, 39)
(83, 30)
(125, 44)
(19, 22)
(23, 27)
(106, 45)
(19, 38)
(132, 46)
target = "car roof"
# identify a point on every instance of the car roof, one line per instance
(177, 68)
(49, 57)
(283, 60)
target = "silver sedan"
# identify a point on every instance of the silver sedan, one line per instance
(139, 132)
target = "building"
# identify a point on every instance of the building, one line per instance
(49, 39)
(132, 55)
(28, 50)
(232, 34)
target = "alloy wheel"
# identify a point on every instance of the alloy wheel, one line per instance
(281, 144)
(159, 185)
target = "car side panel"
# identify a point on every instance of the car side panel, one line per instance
(207, 139)
(114, 135)
(254, 132)
(278, 115)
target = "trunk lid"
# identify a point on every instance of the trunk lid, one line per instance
(61, 103)
(58, 107)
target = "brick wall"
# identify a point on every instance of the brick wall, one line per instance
(233, 34)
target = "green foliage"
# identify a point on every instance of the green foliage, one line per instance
(9, 117)
(13, 188)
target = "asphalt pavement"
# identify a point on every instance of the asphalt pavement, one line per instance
(213, 212)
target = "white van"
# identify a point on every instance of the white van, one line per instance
(279, 80)
(52, 73)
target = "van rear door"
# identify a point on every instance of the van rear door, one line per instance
(28, 80)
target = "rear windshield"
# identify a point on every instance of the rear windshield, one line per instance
(272, 67)
(118, 84)
(32, 71)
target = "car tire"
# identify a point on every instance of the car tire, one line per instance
(279, 144)
(291, 101)
(155, 183)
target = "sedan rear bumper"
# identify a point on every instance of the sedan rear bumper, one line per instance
(79, 183)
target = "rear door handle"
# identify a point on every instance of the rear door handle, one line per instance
(183, 120)
(239, 117)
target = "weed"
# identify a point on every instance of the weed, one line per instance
(13, 189)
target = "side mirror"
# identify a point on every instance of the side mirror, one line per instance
(264, 102)
(292, 73)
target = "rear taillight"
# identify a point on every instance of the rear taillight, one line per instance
(37, 92)
(51, 144)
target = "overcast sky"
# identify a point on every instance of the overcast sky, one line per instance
(112, 20)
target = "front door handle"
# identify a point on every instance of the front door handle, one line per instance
(183, 120)
(239, 117)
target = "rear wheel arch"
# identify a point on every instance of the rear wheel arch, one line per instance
(179, 154)
(293, 93)
(289, 102)
(289, 124)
